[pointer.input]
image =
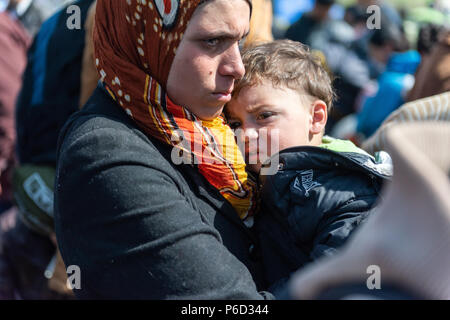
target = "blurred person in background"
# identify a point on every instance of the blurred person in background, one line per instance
(376, 48)
(376, 45)
(357, 17)
(392, 67)
(429, 99)
(14, 42)
(310, 23)
(434, 108)
(354, 54)
(428, 36)
(52, 79)
(32, 13)
(401, 83)
(393, 86)
(433, 75)
(351, 73)
(388, 11)
(432, 78)
(333, 39)
(30, 264)
(286, 12)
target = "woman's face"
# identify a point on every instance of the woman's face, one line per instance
(208, 60)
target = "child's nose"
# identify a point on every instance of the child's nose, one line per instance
(251, 139)
(251, 133)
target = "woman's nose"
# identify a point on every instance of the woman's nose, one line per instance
(232, 63)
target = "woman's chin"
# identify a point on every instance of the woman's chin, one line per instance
(209, 113)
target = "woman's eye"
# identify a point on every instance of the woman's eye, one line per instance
(212, 42)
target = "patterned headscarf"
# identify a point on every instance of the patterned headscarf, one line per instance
(135, 44)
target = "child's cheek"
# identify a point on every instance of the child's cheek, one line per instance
(273, 142)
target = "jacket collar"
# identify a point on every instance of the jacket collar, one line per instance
(308, 157)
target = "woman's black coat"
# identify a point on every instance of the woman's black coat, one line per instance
(140, 227)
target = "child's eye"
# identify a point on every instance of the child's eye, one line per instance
(265, 115)
(234, 124)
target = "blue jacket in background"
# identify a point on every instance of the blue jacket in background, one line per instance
(392, 85)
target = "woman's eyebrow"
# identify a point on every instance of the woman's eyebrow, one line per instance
(222, 35)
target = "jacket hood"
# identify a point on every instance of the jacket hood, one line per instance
(341, 145)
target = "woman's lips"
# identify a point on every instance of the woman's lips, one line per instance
(223, 96)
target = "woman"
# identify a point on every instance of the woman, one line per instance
(139, 224)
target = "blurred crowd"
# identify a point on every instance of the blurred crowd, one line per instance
(376, 68)
(396, 72)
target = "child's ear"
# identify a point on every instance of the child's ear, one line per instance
(319, 117)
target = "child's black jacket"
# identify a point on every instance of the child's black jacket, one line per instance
(312, 205)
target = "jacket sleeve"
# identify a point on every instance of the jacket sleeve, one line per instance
(335, 228)
(122, 218)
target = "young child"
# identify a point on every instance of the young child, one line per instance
(324, 187)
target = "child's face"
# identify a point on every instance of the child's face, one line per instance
(267, 113)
